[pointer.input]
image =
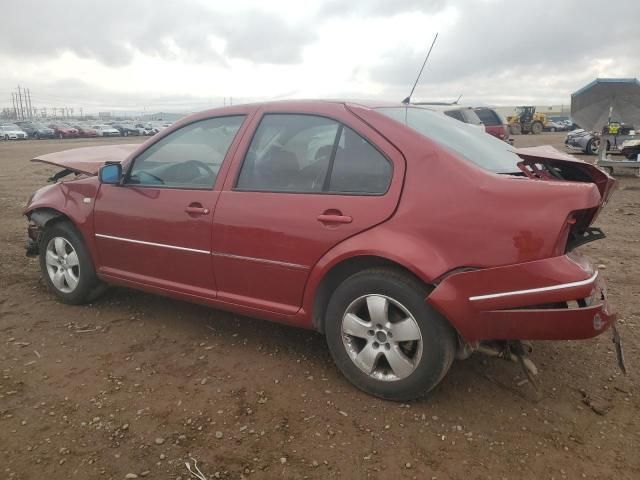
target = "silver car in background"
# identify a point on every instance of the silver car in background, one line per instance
(12, 132)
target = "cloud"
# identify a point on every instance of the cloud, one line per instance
(500, 42)
(113, 31)
(379, 8)
(193, 52)
(264, 38)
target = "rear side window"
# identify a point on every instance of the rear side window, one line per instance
(457, 114)
(488, 117)
(471, 117)
(358, 167)
(312, 154)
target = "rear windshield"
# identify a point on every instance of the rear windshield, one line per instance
(488, 117)
(471, 143)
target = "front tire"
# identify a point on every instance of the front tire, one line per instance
(66, 265)
(384, 337)
(537, 128)
(592, 146)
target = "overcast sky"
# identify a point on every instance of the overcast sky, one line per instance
(188, 55)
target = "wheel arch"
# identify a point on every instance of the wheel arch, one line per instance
(342, 270)
(43, 216)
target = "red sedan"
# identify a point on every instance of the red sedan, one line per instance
(85, 131)
(404, 236)
(62, 130)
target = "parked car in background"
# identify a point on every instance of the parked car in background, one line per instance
(10, 131)
(146, 129)
(64, 130)
(459, 112)
(405, 237)
(86, 131)
(158, 126)
(555, 126)
(565, 121)
(37, 130)
(494, 123)
(583, 141)
(126, 129)
(105, 130)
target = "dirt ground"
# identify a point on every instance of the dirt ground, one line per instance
(136, 384)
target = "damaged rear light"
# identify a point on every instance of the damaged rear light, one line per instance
(578, 230)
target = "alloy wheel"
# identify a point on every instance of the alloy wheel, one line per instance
(62, 264)
(381, 337)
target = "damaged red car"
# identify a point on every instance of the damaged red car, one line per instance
(405, 237)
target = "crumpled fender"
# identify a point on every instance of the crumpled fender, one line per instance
(74, 199)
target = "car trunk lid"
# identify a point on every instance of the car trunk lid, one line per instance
(547, 163)
(87, 160)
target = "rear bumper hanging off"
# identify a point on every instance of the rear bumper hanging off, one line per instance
(559, 298)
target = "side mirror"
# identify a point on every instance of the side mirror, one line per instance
(110, 173)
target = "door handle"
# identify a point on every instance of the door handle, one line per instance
(195, 210)
(332, 218)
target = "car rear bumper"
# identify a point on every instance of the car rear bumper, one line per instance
(560, 298)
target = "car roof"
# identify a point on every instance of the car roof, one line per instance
(304, 104)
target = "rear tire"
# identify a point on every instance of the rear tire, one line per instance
(385, 338)
(66, 265)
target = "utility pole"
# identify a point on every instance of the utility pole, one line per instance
(15, 108)
(20, 100)
(30, 108)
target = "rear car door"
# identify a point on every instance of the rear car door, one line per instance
(305, 181)
(155, 227)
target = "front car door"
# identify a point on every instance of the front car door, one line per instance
(155, 227)
(305, 181)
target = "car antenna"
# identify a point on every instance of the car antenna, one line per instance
(457, 100)
(408, 99)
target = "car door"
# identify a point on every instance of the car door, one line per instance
(303, 182)
(155, 227)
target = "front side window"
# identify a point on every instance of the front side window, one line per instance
(307, 153)
(190, 157)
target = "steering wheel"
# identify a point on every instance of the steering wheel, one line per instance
(155, 177)
(198, 163)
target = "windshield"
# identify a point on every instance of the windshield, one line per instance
(471, 143)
